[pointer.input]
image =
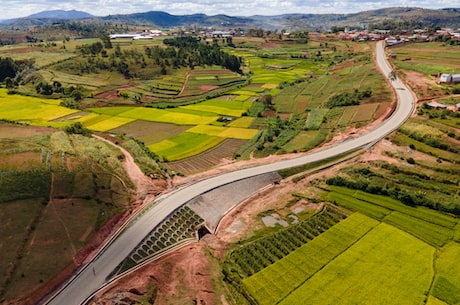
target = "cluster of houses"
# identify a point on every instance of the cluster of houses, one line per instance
(150, 34)
(139, 35)
(419, 35)
(436, 105)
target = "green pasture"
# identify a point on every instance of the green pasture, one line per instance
(35, 111)
(277, 281)
(224, 132)
(184, 145)
(446, 285)
(385, 265)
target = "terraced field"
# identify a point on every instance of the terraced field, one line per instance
(208, 159)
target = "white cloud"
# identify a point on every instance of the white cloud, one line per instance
(15, 8)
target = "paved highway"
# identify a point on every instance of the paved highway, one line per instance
(94, 275)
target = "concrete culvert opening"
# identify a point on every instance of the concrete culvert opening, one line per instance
(201, 231)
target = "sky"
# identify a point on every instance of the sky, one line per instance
(22, 8)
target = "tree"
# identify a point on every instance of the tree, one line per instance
(9, 83)
(106, 41)
(77, 128)
(8, 68)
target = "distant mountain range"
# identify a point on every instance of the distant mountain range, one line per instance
(60, 14)
(290, 22)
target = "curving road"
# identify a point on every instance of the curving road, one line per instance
(94, 275)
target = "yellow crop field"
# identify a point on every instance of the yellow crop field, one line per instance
(224, 132)
(184, 145)
(218, 110)
(111, 123)
(32, 110)
(243, 122)
(164, 116)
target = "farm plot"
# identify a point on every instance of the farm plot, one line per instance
(431, 233)
(430, 226)
(243, 122)
(274, 283)
(303, 141)
(224, 132)
(257, 255)
(40, 57)
(315, 118)
(150, 132)
(202, 81)
(184, 145)
(109, 123)
(157, 115)
(32, 110)
(428, 58)
(446, 285)
(286, 100)
(385, 265)
(207, 159)
(221, 107)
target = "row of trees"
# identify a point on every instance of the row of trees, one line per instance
(348, 98)
(408, 198)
